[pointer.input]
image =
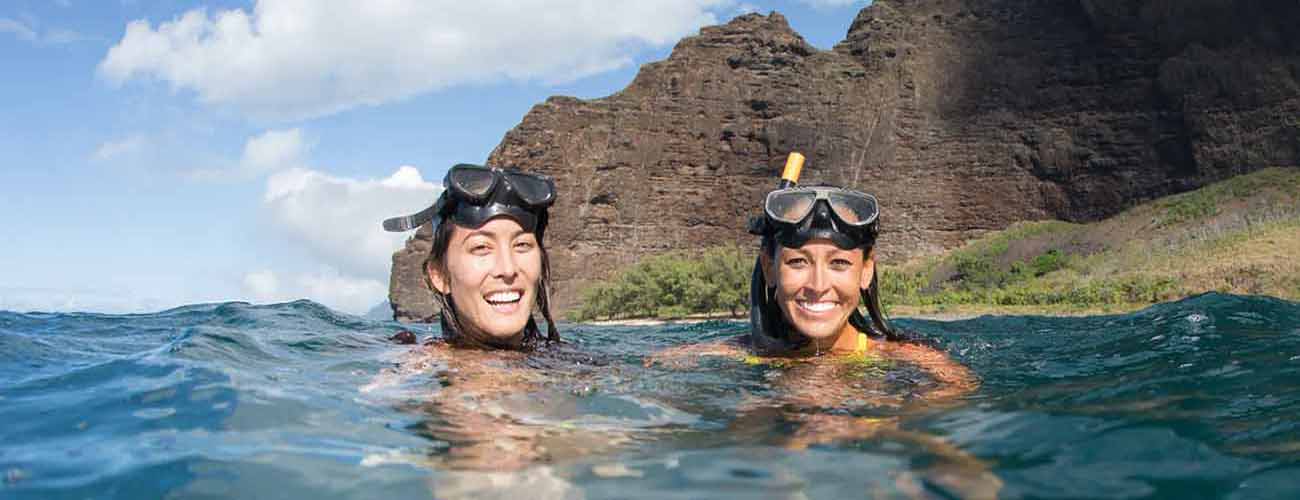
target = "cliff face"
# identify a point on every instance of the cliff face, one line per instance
(961, 116)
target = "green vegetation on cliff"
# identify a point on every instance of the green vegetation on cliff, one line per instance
(672, 285)
(1238, 236)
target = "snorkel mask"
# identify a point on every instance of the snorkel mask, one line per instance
(793, 216)
(796, 215)
(474, 194)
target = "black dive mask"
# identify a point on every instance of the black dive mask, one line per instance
(794, 216)
(474, 194)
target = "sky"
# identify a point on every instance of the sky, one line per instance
(157, 153)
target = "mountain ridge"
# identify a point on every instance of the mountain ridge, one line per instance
(961, 116)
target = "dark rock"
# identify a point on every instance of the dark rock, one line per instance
(404, 337)
(408, 290)
(962, 116)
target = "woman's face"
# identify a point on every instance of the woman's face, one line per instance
(818, 287)
(491, 274)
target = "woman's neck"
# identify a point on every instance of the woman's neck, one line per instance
(472, 337)
(848, 340)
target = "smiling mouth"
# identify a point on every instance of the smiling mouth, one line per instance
(504, 298)
(816, 307)
(505, 301)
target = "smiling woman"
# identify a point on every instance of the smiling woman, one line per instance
(488, 268)
(826, 361)
(816, 269)
(489, 273)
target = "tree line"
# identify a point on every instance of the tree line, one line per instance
(672, 285)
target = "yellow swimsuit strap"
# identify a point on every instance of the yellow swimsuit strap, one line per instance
(864, 344)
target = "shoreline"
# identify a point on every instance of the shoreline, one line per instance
(948, 313)
(660, 321)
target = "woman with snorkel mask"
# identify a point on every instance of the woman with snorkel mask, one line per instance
(828, 362)
(489, 272)
(815, 269)
(488, 269)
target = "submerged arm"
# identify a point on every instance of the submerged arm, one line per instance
(688, 356)
(953, 379)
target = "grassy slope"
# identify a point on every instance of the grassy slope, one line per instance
(1240, 236)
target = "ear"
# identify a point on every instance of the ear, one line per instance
(868, 271)
(436, 278)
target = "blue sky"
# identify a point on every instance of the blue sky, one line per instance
(155, 153)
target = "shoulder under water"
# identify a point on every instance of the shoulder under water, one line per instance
(1196, 398)
(862, 380)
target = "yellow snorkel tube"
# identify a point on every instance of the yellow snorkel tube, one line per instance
(793, 167)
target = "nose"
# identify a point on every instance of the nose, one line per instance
(506, 268)
(821, 280)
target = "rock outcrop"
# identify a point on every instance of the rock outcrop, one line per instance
(408, 290)
(962, 116)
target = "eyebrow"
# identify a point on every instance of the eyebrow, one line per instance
(838, 252)
(488, 234)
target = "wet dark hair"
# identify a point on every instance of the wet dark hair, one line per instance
(452, 327)
(773, 335)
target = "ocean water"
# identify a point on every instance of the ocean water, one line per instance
(1194, 399)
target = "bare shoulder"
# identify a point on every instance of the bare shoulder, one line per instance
(956, 378)
(407, 365)
(685, 356)
(426, 357)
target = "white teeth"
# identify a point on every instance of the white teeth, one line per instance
(503, 297)
(817, 306)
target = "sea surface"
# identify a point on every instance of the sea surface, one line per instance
(1193, 399)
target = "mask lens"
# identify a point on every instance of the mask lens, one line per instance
(476, 182)
(534, 190)
(853, 208)
(790, 207)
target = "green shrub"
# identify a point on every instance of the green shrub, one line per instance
(671, 285)
(1189, 207)
(976, 270)
(1048, 262)
(900, 286)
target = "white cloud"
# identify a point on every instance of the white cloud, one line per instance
(26, 30)
(18, 29)
(338, 219)
(26, 299)
(274, 150)
(327, 286)
(113, 149)
(294, 59)
(263, 286)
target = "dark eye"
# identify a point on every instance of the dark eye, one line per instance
(841, 264)
(796, 262)
(524, 246)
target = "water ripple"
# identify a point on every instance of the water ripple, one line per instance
(1198, 398)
